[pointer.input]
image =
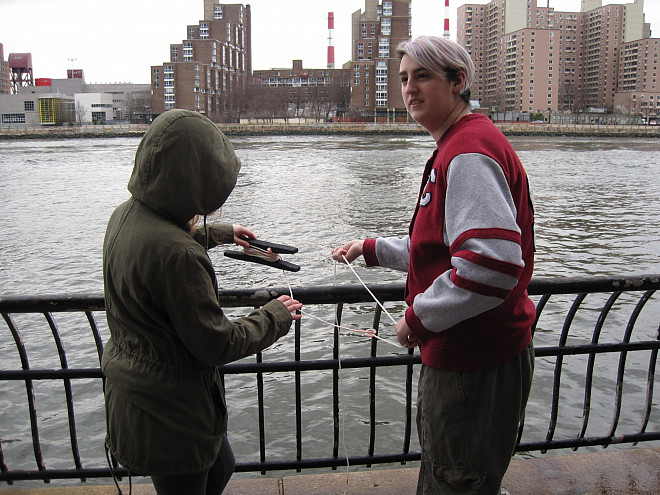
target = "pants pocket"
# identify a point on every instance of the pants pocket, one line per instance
(458, 477)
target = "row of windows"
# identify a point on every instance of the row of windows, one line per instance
(13, 118)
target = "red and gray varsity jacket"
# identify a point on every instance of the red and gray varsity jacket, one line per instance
(469, 252)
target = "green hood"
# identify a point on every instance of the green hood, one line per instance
(184, 166)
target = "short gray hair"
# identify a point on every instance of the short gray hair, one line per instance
(441, 57)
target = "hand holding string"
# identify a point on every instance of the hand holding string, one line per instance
(291, 306)
(404, 334)
(349, 251)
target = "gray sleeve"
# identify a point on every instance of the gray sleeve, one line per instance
(393, 252)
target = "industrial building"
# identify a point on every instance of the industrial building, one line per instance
(29, 101)
(532, 58)
(72, 101)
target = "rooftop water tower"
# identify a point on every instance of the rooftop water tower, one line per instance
(20, 70)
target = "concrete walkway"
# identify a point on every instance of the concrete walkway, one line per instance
(634, 471)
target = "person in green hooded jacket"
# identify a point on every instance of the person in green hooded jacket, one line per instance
(165, 405)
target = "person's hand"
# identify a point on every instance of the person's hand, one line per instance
(404, 335)
(351, 250)
(240, 233)
(292, 306)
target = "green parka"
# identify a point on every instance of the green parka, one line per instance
(165, 403)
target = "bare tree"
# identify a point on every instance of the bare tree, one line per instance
(81, 111)
(137, 106)
(340, 95)
(237, 101)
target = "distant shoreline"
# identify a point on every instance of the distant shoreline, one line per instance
(383, 129)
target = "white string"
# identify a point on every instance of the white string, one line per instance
(371, 293)
(341, 377)
(369, 333)
(343, 402)
(264, 254)
(270, 256)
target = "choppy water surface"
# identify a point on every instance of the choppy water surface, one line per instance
(597, 207)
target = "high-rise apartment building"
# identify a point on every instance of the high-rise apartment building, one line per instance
(638, 85)
(208, 69)
(534, 58)
(375, 86)
(4, 73)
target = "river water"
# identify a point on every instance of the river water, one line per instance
(597, 206)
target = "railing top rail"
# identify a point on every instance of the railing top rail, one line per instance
(577, 285)
(328, 294)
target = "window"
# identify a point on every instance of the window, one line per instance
(13, 118)
(187, 51)
(28, 106)
(384, 47)
(386, 26)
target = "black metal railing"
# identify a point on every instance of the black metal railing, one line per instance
(574, 319)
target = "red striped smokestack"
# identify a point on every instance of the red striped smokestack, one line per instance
(331, 34)
(447, 19)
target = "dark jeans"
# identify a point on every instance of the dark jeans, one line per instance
(211, 482)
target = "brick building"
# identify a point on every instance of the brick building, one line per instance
(4, 73)
(208, 71)
(298, 92)
(375, 86)
(533, 58)
(638, 90)
(211, 71)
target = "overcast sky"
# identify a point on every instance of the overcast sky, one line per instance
(119, 40)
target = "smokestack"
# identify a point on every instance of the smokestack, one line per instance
(331, 34)
(447, 19)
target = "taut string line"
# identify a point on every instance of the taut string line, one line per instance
(369, 333)
(367, 288)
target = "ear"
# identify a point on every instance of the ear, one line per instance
(459, 82)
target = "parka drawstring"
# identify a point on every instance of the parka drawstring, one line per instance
(206, 235)
(114, 475)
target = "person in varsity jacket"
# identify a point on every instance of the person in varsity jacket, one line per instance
(469, 256)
